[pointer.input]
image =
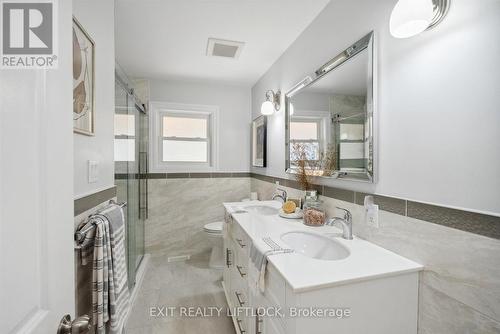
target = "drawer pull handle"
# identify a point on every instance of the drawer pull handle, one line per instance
(238, 297)
(228, 259)
(242, 331)
(258, 321)
(240, 242)
(242, 274)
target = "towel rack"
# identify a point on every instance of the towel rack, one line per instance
(80, 234)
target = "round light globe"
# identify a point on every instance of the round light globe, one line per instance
(267, 108)
(411, 17)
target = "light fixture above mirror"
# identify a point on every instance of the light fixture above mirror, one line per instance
(272, 103)
(411, 17)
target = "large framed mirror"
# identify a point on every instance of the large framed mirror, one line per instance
(330, 117)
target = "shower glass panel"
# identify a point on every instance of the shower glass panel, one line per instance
(130, 171)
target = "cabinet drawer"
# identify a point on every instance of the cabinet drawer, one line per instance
(240, 297)
(239, 286)
(241, 263)
(241, 239)
(242, 323)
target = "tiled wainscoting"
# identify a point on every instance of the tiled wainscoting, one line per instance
(181, 204)
(459, 288)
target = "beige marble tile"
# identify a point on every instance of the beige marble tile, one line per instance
(187, 326)
(176, 284)
(264, 189)
(444, 315)
(179, 208)
(462, 265)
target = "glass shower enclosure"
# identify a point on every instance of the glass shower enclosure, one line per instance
(131, 168)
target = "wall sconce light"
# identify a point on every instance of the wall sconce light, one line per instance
(411, 17)
(272, 103)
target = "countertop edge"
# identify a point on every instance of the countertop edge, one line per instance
(333, 284)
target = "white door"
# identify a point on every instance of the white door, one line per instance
(36, 193)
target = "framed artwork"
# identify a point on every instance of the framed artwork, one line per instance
(83, 81)
(259, 141)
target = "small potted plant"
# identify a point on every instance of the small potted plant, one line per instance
(314, 213)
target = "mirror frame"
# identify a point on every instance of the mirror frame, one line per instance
(365, 43)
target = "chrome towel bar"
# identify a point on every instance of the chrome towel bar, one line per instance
(80, 234)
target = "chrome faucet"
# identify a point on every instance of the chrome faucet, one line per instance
(346, 223)
(280, 193)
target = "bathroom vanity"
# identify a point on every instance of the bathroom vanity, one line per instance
(326, 285)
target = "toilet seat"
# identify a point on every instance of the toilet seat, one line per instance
(215, 228)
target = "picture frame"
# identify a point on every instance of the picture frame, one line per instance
(259, 142)
(83, 81)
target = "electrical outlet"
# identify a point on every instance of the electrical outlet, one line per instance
(372, 216)
(277, 183)
(93, 171)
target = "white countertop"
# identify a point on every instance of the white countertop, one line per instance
(366, 261)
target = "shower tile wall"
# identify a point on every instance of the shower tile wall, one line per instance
(459, 288)
(180, 207)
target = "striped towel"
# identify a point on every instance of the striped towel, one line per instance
(258, 265)
(105, 244)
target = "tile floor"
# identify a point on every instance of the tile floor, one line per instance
(179, 284)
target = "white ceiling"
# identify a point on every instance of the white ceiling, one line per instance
(167, 39)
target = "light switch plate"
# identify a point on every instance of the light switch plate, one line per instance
(93, 171)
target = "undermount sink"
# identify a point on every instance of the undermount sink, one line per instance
(261, 209)
(315, 246)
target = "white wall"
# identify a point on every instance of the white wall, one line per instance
(234, 115)
(438, 101)
(97, 17)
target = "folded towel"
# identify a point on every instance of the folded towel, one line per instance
(106, 243)
(259, 253)
(257, 268)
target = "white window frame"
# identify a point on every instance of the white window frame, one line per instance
(321, 119)
(158, 111)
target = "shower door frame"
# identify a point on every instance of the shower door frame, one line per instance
(136, 209)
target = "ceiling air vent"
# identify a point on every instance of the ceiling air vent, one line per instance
(224, 48)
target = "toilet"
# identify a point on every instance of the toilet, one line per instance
(214, 232)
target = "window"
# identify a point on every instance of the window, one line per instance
(305, 135)
(184, 137)
(124, 137)
(352, 131)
